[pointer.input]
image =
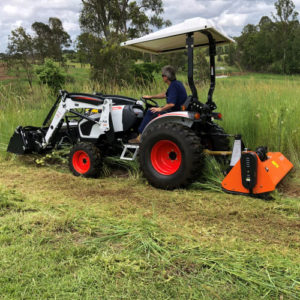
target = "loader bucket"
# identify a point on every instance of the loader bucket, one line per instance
(251, 175)
(25, 140)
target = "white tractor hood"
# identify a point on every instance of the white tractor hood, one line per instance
(173, 38)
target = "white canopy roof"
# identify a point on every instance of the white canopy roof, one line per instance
(173, 38)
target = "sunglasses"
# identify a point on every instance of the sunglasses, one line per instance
(163, 76)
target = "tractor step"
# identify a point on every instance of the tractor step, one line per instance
(129, 152)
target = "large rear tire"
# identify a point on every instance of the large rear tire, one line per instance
(85, 160)
(170, 155)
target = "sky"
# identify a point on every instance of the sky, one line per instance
(230, 15)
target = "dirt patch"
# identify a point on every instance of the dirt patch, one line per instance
(3, 73)
(290, 189)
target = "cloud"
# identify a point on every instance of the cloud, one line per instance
(17, 13)
(177, 10)
(231, 20)
(10, 10)
(231, 15)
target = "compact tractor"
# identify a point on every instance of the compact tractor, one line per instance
(172, 145)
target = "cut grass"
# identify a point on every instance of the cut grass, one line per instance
(72, 238)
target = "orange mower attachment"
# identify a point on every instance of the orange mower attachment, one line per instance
(253, 175)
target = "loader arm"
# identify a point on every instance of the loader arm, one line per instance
(67, 105)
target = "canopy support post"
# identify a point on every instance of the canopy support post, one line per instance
(212, 54)
(190, 53)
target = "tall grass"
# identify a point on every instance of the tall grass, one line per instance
(263, 108)
(21, 106)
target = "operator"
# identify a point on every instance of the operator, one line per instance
(175, 97)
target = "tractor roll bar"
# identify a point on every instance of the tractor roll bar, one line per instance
(212, 54)
(190, 50)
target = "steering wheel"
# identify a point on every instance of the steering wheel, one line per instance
(149, 102)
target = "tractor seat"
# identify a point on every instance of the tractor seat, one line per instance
(86, 98)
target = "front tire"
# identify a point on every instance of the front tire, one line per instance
(170, 155)
(85, 160)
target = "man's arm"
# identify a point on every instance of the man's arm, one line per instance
(158, 96)
(159, 109)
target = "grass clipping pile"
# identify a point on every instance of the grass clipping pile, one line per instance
(211, 178)
(112, 166)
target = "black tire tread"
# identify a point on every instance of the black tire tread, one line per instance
(184, 133)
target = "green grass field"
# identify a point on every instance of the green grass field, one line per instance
(117, 237)
(72, 238)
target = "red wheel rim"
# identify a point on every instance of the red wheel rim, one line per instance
(166, 157)
(81, 162)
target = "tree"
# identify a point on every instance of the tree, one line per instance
(265, 44)
(285, 11)
(105, 23)
(247, 46)
(201, 67)
(274, 44)
(177, 60)
(59, 38)
(111, 19)
(21, 51)
(88, 48)
(286, 23)
(50, 39)
(42, 40)
(231, 56)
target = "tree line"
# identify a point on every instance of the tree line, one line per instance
(104, 24)
(25, 50)
(273, 45)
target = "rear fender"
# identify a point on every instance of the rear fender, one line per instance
(184, 118)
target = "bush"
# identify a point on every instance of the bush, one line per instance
(143, 73)
(50, 74)
(276, 67)
(111, 65)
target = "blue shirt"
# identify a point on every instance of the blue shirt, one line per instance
(176, 94)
